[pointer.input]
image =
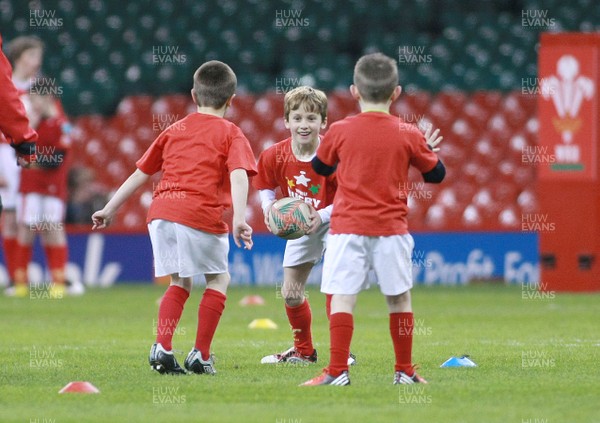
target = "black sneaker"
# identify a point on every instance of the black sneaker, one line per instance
(195, 363)
(164, 361)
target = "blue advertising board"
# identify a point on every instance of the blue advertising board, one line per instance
(99, 259)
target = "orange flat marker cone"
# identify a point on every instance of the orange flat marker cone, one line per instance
(252, 300)
(79, 387)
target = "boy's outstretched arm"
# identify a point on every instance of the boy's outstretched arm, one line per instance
(102, 218)
(239, 196)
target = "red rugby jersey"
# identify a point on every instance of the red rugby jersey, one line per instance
(53, 139)
(373, 151)
(279, 167)
(196, 155)
(13, 120)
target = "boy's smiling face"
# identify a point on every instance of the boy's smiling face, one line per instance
(304, 125)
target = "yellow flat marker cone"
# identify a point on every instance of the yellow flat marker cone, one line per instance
(252, 300)
(262, 324)
(80, 388)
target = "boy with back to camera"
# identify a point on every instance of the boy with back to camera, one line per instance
(203, 157)
(371, 154)
(287, 165)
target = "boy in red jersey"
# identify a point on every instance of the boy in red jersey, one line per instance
(287, 165)
(25, 54)
(371, 154)
(203, 157)
(14, 124)
(42, 195)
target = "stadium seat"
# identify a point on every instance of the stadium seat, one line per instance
(509, 218)
(475, 45)
(487, 182)
(470, 217)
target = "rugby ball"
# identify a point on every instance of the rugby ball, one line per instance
(289, 218)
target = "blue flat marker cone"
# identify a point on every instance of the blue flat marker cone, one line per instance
(463, 361)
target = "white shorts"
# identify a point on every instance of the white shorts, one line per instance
(307, 249)
(10, 175)
(349, 258)
(34, 208)
(186, 251)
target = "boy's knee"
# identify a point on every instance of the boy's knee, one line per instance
(293, 301)
(400, 302)
(293, 293)
(218, 282)
(185, 283)
(343, 303)
(222, 279)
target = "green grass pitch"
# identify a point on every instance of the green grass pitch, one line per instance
(537, 360)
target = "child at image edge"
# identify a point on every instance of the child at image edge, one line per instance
(203, 157)
(41, 202)
(371, 154)
(287, 165)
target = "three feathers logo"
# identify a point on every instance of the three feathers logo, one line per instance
(567, 90)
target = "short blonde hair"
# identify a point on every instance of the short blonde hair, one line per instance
(314, 101)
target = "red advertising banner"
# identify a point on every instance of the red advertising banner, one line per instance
(568, 186)
(568, 107)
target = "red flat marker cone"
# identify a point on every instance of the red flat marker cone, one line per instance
(79, 387)
(250, 300)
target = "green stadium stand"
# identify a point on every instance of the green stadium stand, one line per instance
(103, 49)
